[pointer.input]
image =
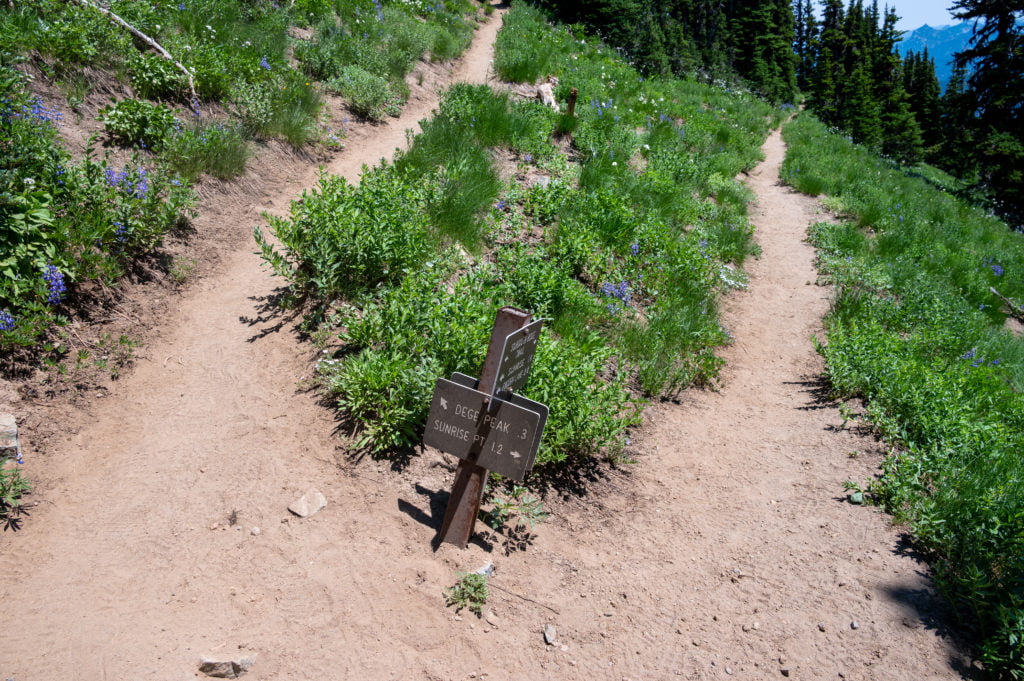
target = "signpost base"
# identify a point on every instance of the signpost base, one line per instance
(470, 479)
(463, 504)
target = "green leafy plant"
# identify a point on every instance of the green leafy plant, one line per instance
(368, 96)
(469, 592)
(154, 77)
(132, 122)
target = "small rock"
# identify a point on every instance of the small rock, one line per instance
(486, 570)
(308, 504)
(215, 526)
(785, 671)
(564, 648)
(728, 670)
(491, 619)
(9, 446)
(755, 626)
(745, 628)
(255, 531)
(227, 669)
(821, 626)
(855, 624)
(550, 634)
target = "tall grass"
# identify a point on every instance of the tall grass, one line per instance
(917, 332)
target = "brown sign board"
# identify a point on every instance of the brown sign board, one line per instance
(467, 423)
(539, 408)
(517, 357)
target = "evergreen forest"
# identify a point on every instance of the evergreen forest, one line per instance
(841, 60)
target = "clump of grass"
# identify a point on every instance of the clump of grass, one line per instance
(216, 148)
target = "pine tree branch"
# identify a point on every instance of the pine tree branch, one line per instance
(146, 39)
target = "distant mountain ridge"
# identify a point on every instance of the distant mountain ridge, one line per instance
(942, 42)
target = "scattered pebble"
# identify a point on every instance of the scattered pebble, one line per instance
(255, 531)
(785, 671)
(550, 634)
(821, 626)
(855, 624)
(226, 669)
(308, 504)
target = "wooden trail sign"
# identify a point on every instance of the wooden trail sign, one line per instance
(468, 419)
(502, 435)
(517, 358)
(536, 407)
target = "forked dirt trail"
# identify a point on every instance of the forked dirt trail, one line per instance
(725, 551)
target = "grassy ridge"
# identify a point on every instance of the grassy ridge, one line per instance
(623, 244)
(916, 331)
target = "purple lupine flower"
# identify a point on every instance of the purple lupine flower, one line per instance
(379, 10)
(528, 158)
(968, 355)
(6, 320)
(500, 205)
(997, 269)
(121, 233)
(55, 281)
(635, 248)
(265, 64)
(141, 184)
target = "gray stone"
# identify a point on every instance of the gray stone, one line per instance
(226, 669)
(255, 531)
(855, 624)
(308, 504)
(9, 446)
(550, 634)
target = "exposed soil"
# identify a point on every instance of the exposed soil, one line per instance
(727, 549)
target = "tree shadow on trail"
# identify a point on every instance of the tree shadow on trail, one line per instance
(819, 392)
(924, 607)
(271, 309)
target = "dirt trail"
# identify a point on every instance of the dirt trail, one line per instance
(718, 554)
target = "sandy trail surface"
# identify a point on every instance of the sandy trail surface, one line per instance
(727, 549)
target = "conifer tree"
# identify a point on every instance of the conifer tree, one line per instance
(923, 91)
(996, 91)
(805, 42)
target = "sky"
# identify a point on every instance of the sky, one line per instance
(917, 13)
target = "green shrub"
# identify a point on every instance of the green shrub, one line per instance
(62, 222)
(368, 96)
(131, 122)
(154, 77)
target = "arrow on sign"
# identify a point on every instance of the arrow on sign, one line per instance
(444, 404)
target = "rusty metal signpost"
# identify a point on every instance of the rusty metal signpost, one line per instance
(485, 424)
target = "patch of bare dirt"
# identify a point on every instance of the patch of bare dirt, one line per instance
(727, 549)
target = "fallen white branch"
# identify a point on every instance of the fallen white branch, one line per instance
(146, 39)
(1015, 310)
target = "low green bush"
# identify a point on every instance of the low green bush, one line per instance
(64, 222)
(132, 122)
(367, 95)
